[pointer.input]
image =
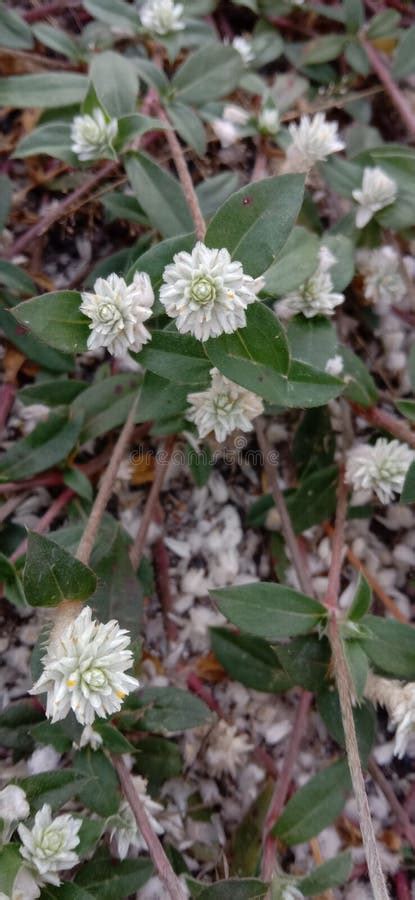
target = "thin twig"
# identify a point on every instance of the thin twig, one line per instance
(388, 422)
(163, 459)
(105, 489)
(161, 569)
(397, 97)
(46, 520)
(185, 179)
(7, 395)
(400, 812)
(155, 848)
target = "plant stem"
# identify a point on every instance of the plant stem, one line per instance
(155, 848)
(185, 179)
(43, 524)
(397, 97)
(396, 807)
(163, 458)
(382, 419)
(105, 489)
(7, 395)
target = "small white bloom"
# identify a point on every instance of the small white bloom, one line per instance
(378, 190)
(90, 738)
(382, 282)
(13, 808)
(92, 135)
(227, 749)
(228, 127)
(123, 827)
(207, 292)
(162, 16)
(316, 296)
(43, 759)
(117, 312)
(380, 468)
(49, 846)
(399, 701)
(25, 887)
(223, 407)
(244, 48)
(313, 140)
(84, 670)
(334, 365)
(291, 892)
(268, 120)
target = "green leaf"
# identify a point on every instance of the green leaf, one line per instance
(235, 889)
(150, 73)
(315, 805)
(55, 735)
(113, 740)
(177, 357)
(100, 789)
(114, 12)
(159, 194)
(330, 874)
(314, 442)
(78, 482)
(58, 40)
(157, 759)
(225, 67)
(48, 444)
(255, 223)
(12, 582)
(44, 90)
(14, 31)
(358, 665)
(111, 879)
(384, 24)
(106, 404)
(312, 341)
(119, 595)
(188, 125)
(360, 387)
(6, 194)
(52, 575)
(56, 319)
(390, 646)
(406, 408)
(166, 709)
(342, 248)
(161, 399)
(355, 15)
(115, 82)
(408, 490)
(15, 725)
(306, 660)
(249, 660)
(58, 392)
(213, 191)
(121, 206)
(361, 601)
(10, 861)
(364, 719)
(314, 501)
(134, 125)
(155, 260)
(296, 262)
(404, 60)
(323, 49)
(36, 350)
(55, 788)
(67, 890)
(15, 278)
(270, 611)
(53, 139)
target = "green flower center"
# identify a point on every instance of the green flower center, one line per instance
(224, 404)
(95, 679)
(203, 289)
(108, 312)
(52, 842)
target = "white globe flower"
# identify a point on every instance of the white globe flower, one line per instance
(49, 846)
(162, 16)
(13, 808)
(84, 670)
(123, 827)
(90, 738)
(383, 283)
(378, 190)
(25, 886)
(334, 365)
(207, 292)
(92, 135)
(315, 297)
(268, 120)
(117, 312)
(399, 701)
(228, 127)
(223, 407)
(244, 48)
(379, 468)
(227, 750)
(313, 140)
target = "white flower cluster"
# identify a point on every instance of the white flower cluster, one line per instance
(227, 749)
(316, 296)
(229, 127)
(268, 120)
(383, 283)
(223, 407)
(117, 312)
(13, 808)
(207, 292)
(244, 48)
(93, 135)
(379, 468)
(84, 670)
(399, 701)
(48, 847)
(378, 190)
(162, 16)
(312, 141)
(123, 827)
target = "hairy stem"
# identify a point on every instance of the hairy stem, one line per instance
(155, 848)
(388, 422)
(399, 811)
(185, 179)
(394, 92)
(162, 460)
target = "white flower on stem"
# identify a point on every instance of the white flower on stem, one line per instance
(228, 127)
(90, 738)
(227, 749)
(49, 846)
(84, 670)
(223, 407)
(123, 827)
(162, 16)
(399, 701)
(334, 365)
(312, 141)
(92, 135)
(25, 886)
(43, 759)
(117, 312)
(13, 808)
(244, 48)
(207, 292)
(383, 283)
(291, 892)
(315, 297)
(378, 190)
(268, 120)
(379, 468)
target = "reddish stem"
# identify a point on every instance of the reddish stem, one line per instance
(382, 419)
(403, 891)
(43, 524)
(196, 687)
(50, 9)
(7, 395)
(333, 586)
(163, 459)
(397, 97)
(161, 568)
